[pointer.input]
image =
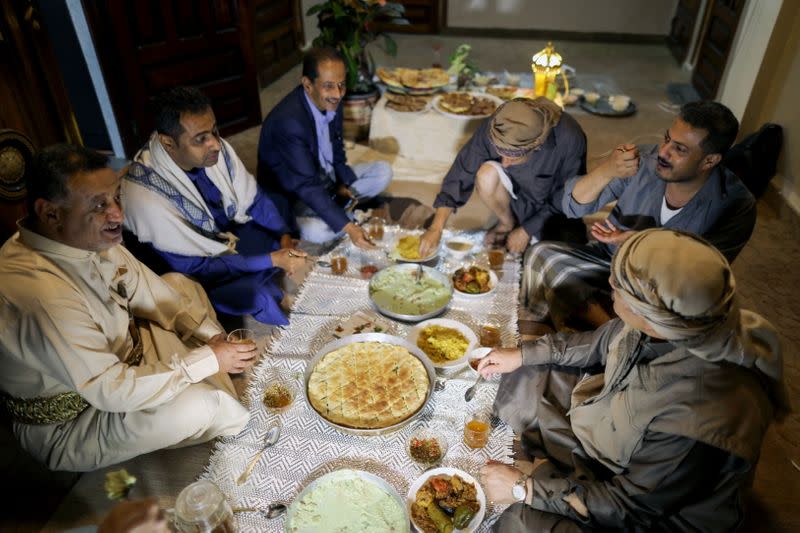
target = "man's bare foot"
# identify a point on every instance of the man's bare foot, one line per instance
(497, 235)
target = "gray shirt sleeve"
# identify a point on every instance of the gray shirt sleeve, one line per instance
(661, 477)
(580, 350)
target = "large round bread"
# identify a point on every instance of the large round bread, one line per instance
(368, 385)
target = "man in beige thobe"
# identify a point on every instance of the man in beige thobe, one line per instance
(101, 360)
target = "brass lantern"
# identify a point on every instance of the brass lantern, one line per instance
(546, 65)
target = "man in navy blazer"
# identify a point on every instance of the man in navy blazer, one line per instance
(301, 154)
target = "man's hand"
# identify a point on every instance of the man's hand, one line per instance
(518, 240)
(500, 361)
(233, 357)
(497, 480)
(288, 242)
(136, 516)
(623, 162)
(608, 233)
(288, 259)
(429, 241)
(359, 236)
(344, 191)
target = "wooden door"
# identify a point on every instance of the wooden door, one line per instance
(34, 106)
(278, 37)
(148, 46)
(716, 45)
(424, 16)
(686, 18)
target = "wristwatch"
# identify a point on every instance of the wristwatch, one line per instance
(520, 489)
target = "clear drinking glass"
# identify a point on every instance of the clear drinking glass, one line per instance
(477, 426)
(202, 508)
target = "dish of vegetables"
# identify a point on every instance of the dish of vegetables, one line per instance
(474, 281)
(446, 500)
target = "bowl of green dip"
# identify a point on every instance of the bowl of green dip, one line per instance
(396, 293)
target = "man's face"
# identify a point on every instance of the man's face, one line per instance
(328, 89)
(680, 157)
(90, 217)
(626, 314)
(198, 145)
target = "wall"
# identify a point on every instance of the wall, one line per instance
(589, 16)
(310, 30)
(775, 98)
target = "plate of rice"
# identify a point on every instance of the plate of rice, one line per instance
(446, 342)
(406, 249)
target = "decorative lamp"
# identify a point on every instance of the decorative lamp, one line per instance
(546, 65)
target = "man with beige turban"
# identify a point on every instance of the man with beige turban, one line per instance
(654, 421)
(518, 161)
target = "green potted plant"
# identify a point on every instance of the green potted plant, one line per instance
(350, 26)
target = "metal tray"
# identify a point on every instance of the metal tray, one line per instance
(370, 337)
(603, 108)
(367, 476)
(428, 271)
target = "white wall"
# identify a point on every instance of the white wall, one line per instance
(649, 17)
(309, 23)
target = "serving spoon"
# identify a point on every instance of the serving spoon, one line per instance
(470, 394)
(269, 441)
(273, 510)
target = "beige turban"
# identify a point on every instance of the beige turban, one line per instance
(684, 288)
(522, 125)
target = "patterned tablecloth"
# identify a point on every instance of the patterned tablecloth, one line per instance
(309, 447)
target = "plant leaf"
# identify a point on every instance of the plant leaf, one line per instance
(390, 45)
(315, 9)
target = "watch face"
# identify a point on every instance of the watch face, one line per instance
(519, 492)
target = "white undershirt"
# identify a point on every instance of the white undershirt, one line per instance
(666, 212)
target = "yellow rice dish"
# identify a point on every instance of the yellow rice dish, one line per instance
(442, 344)
(408, 247)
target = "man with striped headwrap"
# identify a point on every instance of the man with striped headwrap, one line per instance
(518, 161)
(655, 420)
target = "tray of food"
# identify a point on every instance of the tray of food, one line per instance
(413, 81)
(463, 105)
(446, 499)
(616, 105)
(407, 104)
(347, 500)
(396, 292)
(504, 92)
(446, 342)
(474, 281)
(369, 384)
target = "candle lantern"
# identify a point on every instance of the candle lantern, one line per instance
(546, 66)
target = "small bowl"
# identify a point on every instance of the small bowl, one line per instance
(591, 98)
(276, 392)
(465, 247)
(476, 355)
(421, 440)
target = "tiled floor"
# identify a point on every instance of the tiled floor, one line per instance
(767, 276)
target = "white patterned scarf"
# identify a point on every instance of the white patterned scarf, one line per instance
(164, 207)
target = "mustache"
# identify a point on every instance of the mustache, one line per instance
(663, 162)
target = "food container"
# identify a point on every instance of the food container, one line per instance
(480, 495)
(294, 508)
(465, 330)
(409, 269)
(420, 447)
(459, 247)
(370, 337)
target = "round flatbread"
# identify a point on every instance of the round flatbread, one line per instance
(368, 385)
(459, 103)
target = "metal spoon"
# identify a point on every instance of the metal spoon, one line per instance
(274, 510)
(419, 274)
(271, 438)
(470, 394)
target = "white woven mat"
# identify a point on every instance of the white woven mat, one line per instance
(308, 447)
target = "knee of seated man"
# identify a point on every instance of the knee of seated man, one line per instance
(486, 178)
(202, 406)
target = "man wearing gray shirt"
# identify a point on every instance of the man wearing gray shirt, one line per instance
(678, 184)
(518, 161)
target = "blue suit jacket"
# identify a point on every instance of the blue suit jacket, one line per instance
(288, 160)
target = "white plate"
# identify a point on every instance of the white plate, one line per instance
(460, 254)
(412, 494)
(394, 254)
(465, 330)
(492, 284)
(491, 97)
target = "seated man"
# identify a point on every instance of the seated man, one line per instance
(100, 359)
(189, 197)
(678, 184)
(301, 154)
(518, 161)
(664, 437)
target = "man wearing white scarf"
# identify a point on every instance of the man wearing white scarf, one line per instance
(189, 197)
(653, 422)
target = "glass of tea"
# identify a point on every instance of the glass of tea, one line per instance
(375, 229)
(477, 426)
(339, 264)
(497, 256)
(242, 336)
(490, 336)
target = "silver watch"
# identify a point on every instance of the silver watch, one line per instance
(520, 489)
